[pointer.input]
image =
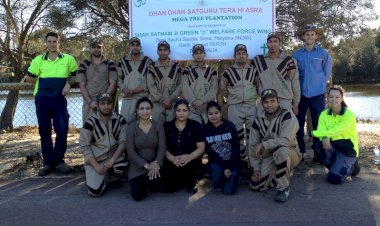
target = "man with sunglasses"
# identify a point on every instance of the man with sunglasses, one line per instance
(164, 83)
(314, 65)
(95, 76)
(278, 70)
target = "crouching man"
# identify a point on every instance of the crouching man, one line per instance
(273, 149)
(102, 140)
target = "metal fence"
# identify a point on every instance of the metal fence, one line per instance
(24, 138)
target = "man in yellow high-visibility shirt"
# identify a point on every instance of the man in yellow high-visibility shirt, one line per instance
(53, 74)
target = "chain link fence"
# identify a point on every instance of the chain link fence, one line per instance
(22, 142)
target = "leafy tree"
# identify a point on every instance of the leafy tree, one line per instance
(18, 20)
(337, 18)
(357, 59)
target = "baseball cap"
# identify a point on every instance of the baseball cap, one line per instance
(274, 35)
(96, 41)
(240, 47)
(163, 43)
(268, 93)
(104, 97)
(135, 39)
(198, 47)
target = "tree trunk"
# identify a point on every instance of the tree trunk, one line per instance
(8, 113)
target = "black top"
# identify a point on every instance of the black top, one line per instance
(183, 142)
(222, 145)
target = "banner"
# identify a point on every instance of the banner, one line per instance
(217, 24)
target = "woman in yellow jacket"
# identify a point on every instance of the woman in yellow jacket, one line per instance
(338, 147)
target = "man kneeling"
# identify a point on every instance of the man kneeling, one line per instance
(273, 149)
(102, 140)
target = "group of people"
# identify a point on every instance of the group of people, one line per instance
(169, 117)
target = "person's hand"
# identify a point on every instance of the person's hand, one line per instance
(137, 90)
(227, 173)
(256, 175)
(167, 103)
(108, 163)
(127, 92)
(93, 105)
(256, 152)
(184, 159)
(295, 110)
(153, 174)
(66, 89)
(154, 165)
(326, 143)
(100, 169)
(197, 104)
(175, 160)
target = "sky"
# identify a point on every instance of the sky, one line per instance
(375, 24)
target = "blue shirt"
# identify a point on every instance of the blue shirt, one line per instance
(314, 68)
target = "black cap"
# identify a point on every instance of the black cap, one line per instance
(163, 43)
(198, 47)
(135, 39)
(96, 41)
(104, 97)
(274, 35)
(268, 93)
(240, 47)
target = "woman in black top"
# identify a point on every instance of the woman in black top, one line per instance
(223, 149)
(185, 145)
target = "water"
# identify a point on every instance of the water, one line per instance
(376, 153)
(363, 100)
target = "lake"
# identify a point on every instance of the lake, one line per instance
(363, 100)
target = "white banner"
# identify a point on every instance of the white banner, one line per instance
(217, 24)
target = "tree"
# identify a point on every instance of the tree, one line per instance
(110, 15)
(18, 20)
(339, 19)
(357, 59)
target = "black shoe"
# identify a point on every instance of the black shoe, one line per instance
(244, 181)
(63, 168)
(356, 168)
(282, 196)
(316, 159)
(45, 170)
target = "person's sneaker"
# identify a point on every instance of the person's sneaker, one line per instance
(45, 170)
(282, 196)
(356, 168)
(63, 168)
